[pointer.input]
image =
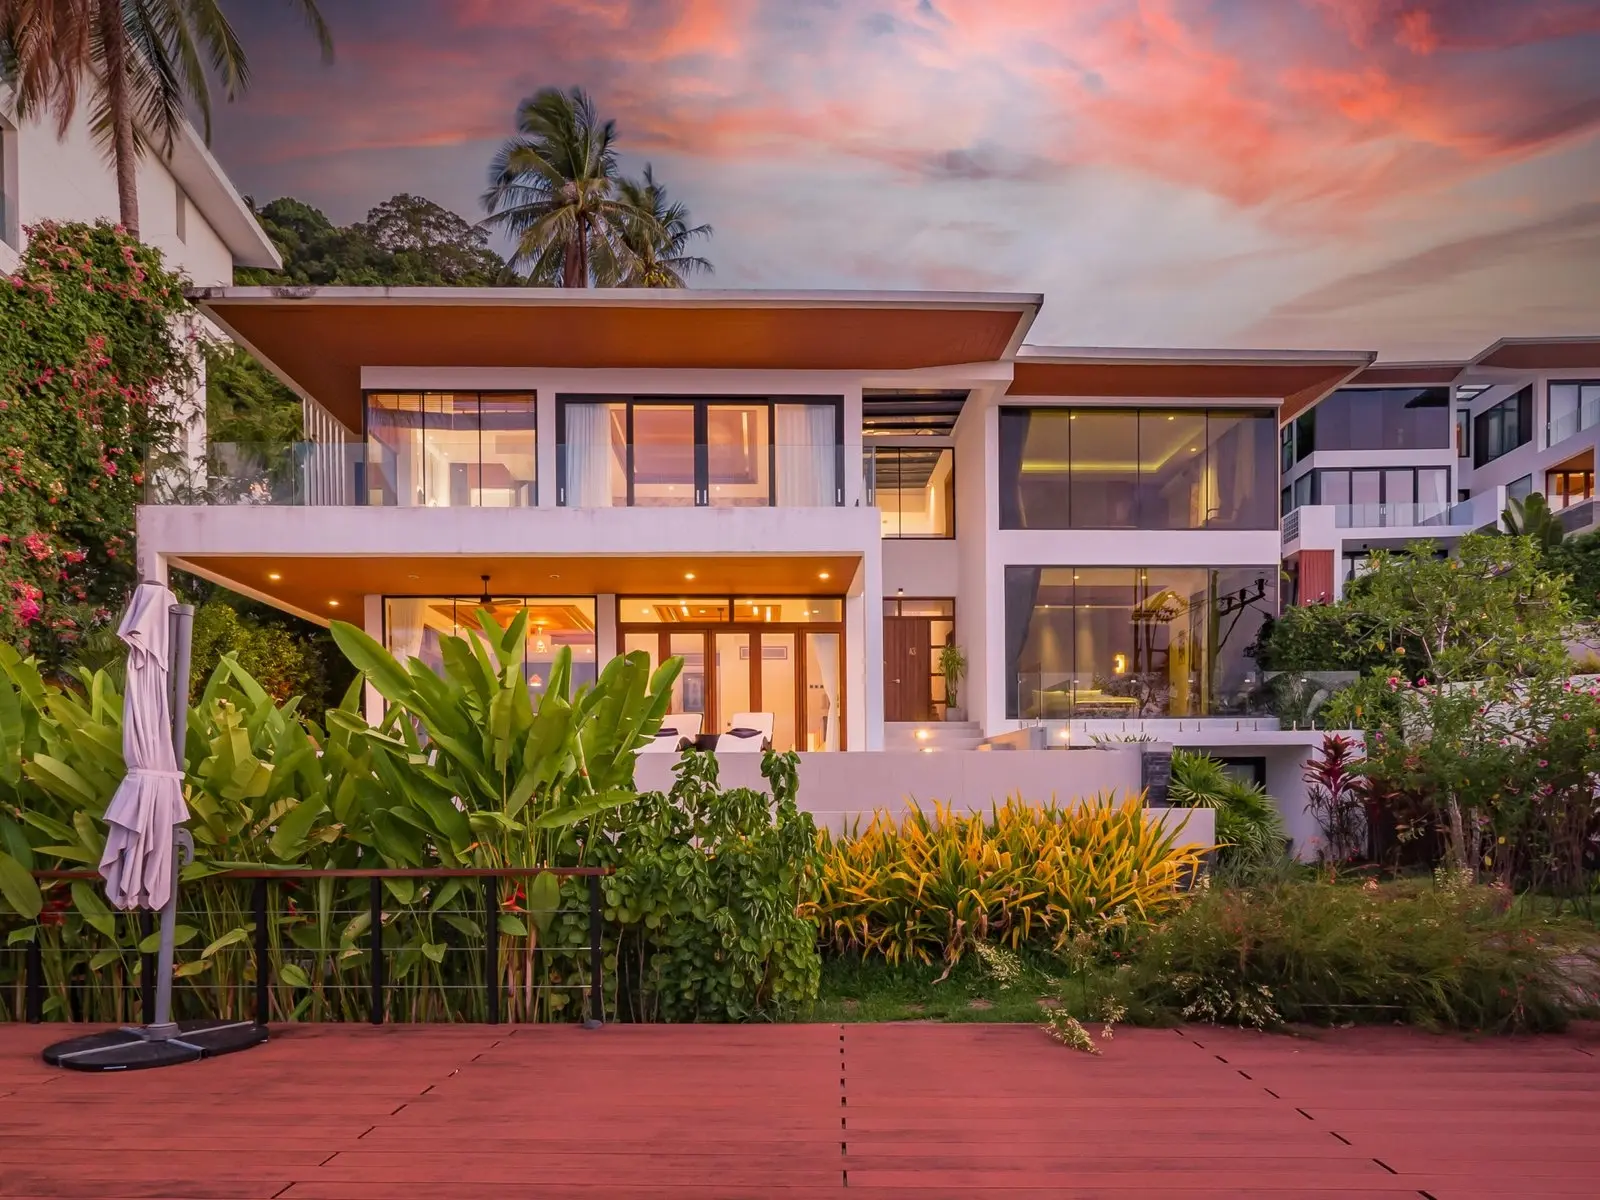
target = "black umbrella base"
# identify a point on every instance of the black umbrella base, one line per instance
(135, 1048)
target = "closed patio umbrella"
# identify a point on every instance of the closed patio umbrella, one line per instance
(148, 808)
(144, 835)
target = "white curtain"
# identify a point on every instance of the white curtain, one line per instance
(588, 456)
(825, 658)
(806, 452)
(405, 628)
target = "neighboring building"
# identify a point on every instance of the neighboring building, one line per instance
(803, 494)
(1412, 451)
(188, 209)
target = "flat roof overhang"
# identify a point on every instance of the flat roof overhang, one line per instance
(1542, 354)
(1296, 379)
(327, 587)
(318, 339)
(1409, 374)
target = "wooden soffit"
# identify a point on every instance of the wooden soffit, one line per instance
(1539, 354)
(319, 340)
(327, 587)
(1409, 375)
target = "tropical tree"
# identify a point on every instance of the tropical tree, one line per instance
(143, 62)
(658, 236)
(1531, 517)
(555, 189)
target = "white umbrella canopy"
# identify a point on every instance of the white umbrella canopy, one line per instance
(138, 863)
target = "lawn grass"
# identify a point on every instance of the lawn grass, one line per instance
(854, 989)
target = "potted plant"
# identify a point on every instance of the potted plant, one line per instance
(953, 665)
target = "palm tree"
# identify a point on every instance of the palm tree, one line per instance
(554, 188)
(658, 237)
(142, 62)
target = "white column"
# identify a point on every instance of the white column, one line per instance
(605, 629)
(372, 623)
(863, 615)
(545, 444)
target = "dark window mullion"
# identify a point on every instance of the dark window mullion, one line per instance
(702, 453)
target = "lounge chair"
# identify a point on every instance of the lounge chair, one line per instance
(677, 729)
(747, 732)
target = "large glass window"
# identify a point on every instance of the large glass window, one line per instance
(915, 489)
(1501, 429)
(450, 450)
(1153, 468)
(1096, 642)
(1573, 405)
(1566, 488)
(697, 452)
(1384, 419)
(414, 627)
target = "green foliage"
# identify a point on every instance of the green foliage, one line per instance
(953, 666)
(246, 403)
(1578, 558)
(707, 897)
(1531, 518)
(1326, 953)
(91, 355)
(1319, 637)
(1249, 827)
(284, 663)
(407, 241)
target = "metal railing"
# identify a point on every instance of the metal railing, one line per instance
(1291, 526)
(263, 879)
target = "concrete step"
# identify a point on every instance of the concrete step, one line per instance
(931, 735)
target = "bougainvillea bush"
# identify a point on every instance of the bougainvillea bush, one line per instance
(95, 366)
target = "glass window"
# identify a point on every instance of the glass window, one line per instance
(450, 450)
(807, 452)
(900, 606)
(1334, 486)
(789, 610)
(779, 681)
(415, 626)
(1572, 405)
(1238, 490)
(1566, 488)
(593, 455)
(916, 491)
(1172, 478)
(1285, 502)
(1400, 486)
(1384, 419)
(1286, 448)
(1305, 434)
(1366, 487)
(1499, 430)
(737, 452)
(1303, 491)
(1520, 489)
(1104, 485)
(664, 472)
(1433, 487)
(1128, 642)
(1035, 468)
(1463, 432)
(824, 701)
(1153, 468)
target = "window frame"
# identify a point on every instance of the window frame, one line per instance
(363, 463)
(897, 449)
(1489, 440)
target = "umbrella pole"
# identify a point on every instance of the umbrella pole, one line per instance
(181, 617)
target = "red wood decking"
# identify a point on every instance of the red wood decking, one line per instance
(796, 1111)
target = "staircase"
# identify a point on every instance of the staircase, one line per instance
(931, 735)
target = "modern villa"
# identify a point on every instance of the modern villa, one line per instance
(807, 496)
(1435, 450)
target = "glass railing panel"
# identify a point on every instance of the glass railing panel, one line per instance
(1387, 516)
(259, 473)
(780, 475)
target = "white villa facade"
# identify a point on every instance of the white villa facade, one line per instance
(1435, 450)
(805, 495)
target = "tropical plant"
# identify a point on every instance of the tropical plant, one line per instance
(657, 236)
(1531, 517)
(1336, 796)
(92, 382)
(708, 896)
(554, 190)
(1328, 953)
(144, 62)
(1249, 827)
(1022, 875)
(953, 666)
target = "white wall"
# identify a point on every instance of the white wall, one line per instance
(69, 179)
(927, 568)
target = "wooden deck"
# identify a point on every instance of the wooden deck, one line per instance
(808, 1111)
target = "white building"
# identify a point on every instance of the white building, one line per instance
(1407, 451)
(187, 207)
(805, 495)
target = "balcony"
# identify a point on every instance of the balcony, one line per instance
(689, 475)
(1391, 516)
(1574, 421)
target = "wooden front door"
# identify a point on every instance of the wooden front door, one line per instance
(907, 674)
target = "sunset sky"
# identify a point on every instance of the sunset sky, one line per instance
(1413, 176)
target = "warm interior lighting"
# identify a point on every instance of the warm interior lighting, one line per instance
(822, 574)
(333, 604)
(688, 574)
(922, 735)
(1119, 664)
(274, 576)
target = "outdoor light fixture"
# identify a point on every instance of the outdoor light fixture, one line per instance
(485, 599)
(1119, 664)
(822, 574)
(274, 576)
(333, 604)
(688, 574)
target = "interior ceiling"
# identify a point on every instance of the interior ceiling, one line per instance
(334, 587)
(932, 413)
(323, 346)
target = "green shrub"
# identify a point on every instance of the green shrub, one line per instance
(706, 900)
(1325, 953)
(1249, 826)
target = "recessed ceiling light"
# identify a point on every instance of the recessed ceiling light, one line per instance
(333, 604)
(688, 574)
(274, 576)
(822, 574)
(555, 577)
(413, 576)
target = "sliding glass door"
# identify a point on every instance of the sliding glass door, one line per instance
(713, 452)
